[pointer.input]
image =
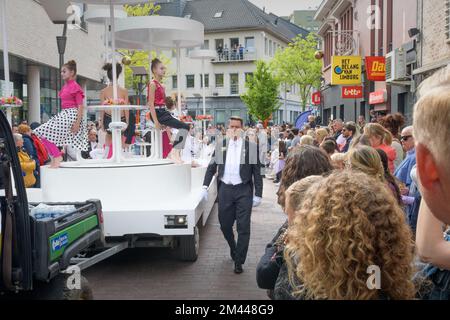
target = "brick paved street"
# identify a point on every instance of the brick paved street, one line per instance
(157, 274)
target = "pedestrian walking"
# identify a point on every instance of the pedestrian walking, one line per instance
(240, 187)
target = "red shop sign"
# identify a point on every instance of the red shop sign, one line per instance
(376, 68)
(316, 98)
(378, 97)
(352, 92)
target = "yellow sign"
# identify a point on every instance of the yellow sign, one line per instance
(346, 70)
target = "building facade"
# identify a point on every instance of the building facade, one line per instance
(433, 37)
(305, 20)
(34, 59)
(369, 28)
(231, 24)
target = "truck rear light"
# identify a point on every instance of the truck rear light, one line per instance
(100, 216)
(175, 222)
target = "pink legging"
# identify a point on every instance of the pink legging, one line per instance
(52, 149)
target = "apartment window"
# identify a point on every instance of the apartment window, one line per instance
(234, 83)
(221, 116)
(328, 48)
(78, 9)
(219, 80)
(248, 76)
(174, 82)
(235, 113)
(266, 46)
(234, 42)
(188, 51)
(206, 45)
(206, 80)
(270, 48)
(249, 42)
(190, 81)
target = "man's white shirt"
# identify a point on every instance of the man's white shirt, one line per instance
(233, 163)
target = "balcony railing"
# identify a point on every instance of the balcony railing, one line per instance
(232, 56)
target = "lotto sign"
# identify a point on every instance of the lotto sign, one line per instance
(316, 98)
(354, 92)
(376, 68)
(346, 70)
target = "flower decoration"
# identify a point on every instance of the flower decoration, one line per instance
(110, 102)
(207, 117)
(185, 118)
(10, 101)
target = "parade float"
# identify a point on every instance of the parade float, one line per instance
(146, 201)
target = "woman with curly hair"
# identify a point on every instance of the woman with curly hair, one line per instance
(301, 163)
(348, 223)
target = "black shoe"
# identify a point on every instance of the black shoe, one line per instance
(238, 268)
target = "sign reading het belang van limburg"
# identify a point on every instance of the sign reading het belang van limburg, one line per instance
(346, 70)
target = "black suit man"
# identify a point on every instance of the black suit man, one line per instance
(239, 178)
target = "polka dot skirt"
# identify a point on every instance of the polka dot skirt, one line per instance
(58, 130)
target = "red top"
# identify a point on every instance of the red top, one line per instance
(71, 95)
(391, 154)
(160, 94)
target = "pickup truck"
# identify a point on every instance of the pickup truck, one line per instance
(37, 254)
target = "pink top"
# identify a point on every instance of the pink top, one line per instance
(160, 94)
(71, 95)
(391, 154)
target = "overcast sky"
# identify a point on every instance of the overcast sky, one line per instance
(286, 7)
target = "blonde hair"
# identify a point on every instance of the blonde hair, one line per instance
(23, 128)
(297, 191)
(306, 141)
(432, 116)
(377, 130)
(366, 159)
(321, 134)
(311, 133)
(345, 225)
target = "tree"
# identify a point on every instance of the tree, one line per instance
(297, 65)
(261, 97)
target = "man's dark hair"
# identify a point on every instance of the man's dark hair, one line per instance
(350, 127)
(329, 146)
(295, 131)
(238, 119)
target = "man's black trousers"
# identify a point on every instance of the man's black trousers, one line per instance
(235, 204)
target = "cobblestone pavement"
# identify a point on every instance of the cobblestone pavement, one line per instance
(157, 274)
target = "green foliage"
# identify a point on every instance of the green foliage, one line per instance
(261, 97)
(297, 65)
(139, 10)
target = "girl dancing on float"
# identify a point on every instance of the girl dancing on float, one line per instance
(157, 103)
(68, 126)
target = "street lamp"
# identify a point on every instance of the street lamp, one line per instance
(61, 42)
(140, 72)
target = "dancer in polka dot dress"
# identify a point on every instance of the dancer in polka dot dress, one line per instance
(68, 126)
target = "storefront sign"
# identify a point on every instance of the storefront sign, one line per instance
(346, 70)
(376, 68)
(378, 97)
(353, 92)
(316, 98)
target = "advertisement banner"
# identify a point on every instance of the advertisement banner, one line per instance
(378, 97)
(353, 92)
(346, 70)
(376, 68)
(316, 99)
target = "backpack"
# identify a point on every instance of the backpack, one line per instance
(41, 151)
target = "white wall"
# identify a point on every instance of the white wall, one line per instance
(32, 35)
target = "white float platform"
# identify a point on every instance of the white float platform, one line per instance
(135, 198)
